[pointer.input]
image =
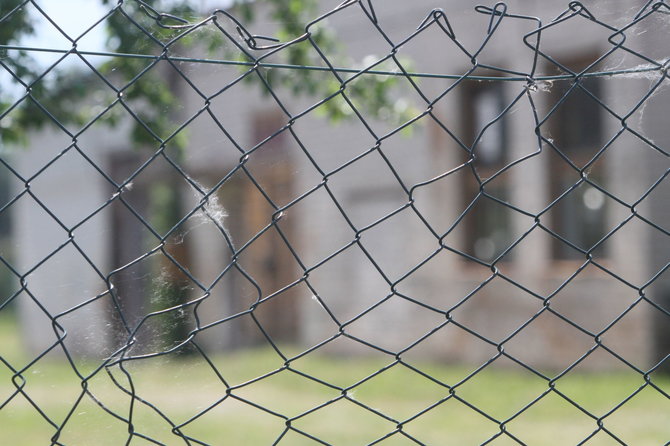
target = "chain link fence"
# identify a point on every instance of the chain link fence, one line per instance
(395, 225)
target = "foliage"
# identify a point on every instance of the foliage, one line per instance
(146, 89)
(29, 113)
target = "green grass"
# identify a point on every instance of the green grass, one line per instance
(185, 387)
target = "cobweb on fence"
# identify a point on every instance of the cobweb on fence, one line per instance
(371, 233)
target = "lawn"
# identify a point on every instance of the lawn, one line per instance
(340, 406)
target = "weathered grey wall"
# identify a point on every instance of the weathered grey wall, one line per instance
(349, 283)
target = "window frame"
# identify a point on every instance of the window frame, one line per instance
(570, 156)
(474, 184)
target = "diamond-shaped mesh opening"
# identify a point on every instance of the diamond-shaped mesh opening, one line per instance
(208, 236)
(413, 58)
(49, 18)
(655, 90)
(57, 173)
(640, 160)
(549, 340)
(453, 415)
(581, 141)
(187, 109)
(379, 244)
(223, 319)
(534, 425)
(646, 428)
(325, 362)
(440, 219)
(53, 235)
(344, 411)
(576, 18)
(90, 92)
(304, 393)
(237, 367)
(617, 341)
(605, 394)
(431, 166)
(324, 212)
(585, 292)
(622, 239)
(284, 98)
(369, 205)
(242, 423)
(206, 80)
(110, 72)
(59, 142)
(400, 313)
(351, 262)
(647, 18)
(416, 392)
(497, 310)
(582, 234)
(486, 231)
(490, 53)
(520, 387)
(280, 314)
(354, 137)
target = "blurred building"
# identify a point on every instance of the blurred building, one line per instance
(416, 243)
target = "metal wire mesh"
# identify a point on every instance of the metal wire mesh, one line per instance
(517, 221)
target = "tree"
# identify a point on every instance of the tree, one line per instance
(168, 24)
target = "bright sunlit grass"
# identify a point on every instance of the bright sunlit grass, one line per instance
(189, 393)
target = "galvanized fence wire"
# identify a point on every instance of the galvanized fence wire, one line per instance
(258, 54)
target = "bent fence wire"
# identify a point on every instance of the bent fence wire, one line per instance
(450, 258)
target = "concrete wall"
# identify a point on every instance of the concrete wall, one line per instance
(61, 244)
(481, 309)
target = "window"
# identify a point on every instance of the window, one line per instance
(487, 224)
(576, 126)
(487, 102)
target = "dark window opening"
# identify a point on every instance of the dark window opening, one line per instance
(578, 119)
(579, 218)
(486, 136)
(487, 224)
(577, 130)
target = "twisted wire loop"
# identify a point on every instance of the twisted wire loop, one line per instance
(251, 272)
